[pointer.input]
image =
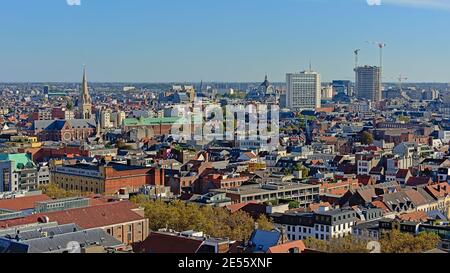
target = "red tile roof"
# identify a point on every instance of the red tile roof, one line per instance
(236, 207)
(380, 205)
(315, 207)
(284, 248)
(439, 190)
(90, 217)
(416, 216)
(22, 203)
(165, 243)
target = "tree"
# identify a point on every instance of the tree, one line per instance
(366, 138)
(293, 204)
(55, 192)
(264, 223)
(404, 119)
(346, 244)
(402, 242)
(216, 222)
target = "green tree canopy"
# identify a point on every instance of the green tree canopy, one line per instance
(216, 222)
(366, 138)
(55, 192)
(347, 244)
(402, 242)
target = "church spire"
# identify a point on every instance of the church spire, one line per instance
(86, 101)
(85, 95)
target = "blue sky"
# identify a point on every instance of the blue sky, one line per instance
(219, 40)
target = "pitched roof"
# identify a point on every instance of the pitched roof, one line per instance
(238, 206)
(416, 216)
(20, 160)
(416, 197)
(59, 124)
(418, 181)
(438, 190)
(90, 217)
(22, 203)
(284, 248)
(402, 173)
(262, 240)
(166, 243)
(380, 205)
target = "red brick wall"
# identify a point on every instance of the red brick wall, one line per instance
(131, 179)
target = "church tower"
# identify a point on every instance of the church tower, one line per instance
(85, 99)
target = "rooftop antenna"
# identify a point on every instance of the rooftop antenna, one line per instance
(310, 66)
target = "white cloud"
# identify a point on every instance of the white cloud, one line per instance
(374, 2)
(437, 4)
(73, 2)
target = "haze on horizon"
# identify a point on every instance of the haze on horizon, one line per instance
(220, 40)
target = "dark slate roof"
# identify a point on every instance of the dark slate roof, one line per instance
(57, 125)
(262, 240)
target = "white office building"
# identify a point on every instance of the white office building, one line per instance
(303, 91)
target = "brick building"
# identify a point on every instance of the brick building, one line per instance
(64, 130)
(122, 220)
(105, 179)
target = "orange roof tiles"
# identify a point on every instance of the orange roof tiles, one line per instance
(22, 203)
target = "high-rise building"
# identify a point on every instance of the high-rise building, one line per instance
(368, 83)
(303, 90)
(85, 100)
(105, 119)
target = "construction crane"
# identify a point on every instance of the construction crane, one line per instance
(381, 46)
(401, 78)
(356, 57)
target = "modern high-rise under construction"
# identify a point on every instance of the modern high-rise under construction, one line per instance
(368, 83)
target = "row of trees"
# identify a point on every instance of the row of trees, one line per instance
(402, 242)
(216, 222)
(391, 242)
(346, 244)
(55, 192)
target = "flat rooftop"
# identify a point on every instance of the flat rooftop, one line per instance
(269, 188)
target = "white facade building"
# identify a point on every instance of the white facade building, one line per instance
(322, 225)
(303, 91)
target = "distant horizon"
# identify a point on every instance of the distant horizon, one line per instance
(198, 82)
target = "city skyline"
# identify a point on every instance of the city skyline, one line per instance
(228, 41)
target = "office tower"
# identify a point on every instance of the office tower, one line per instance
(85, 100)
(303, 90)
(368, 83)
(105, 119)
